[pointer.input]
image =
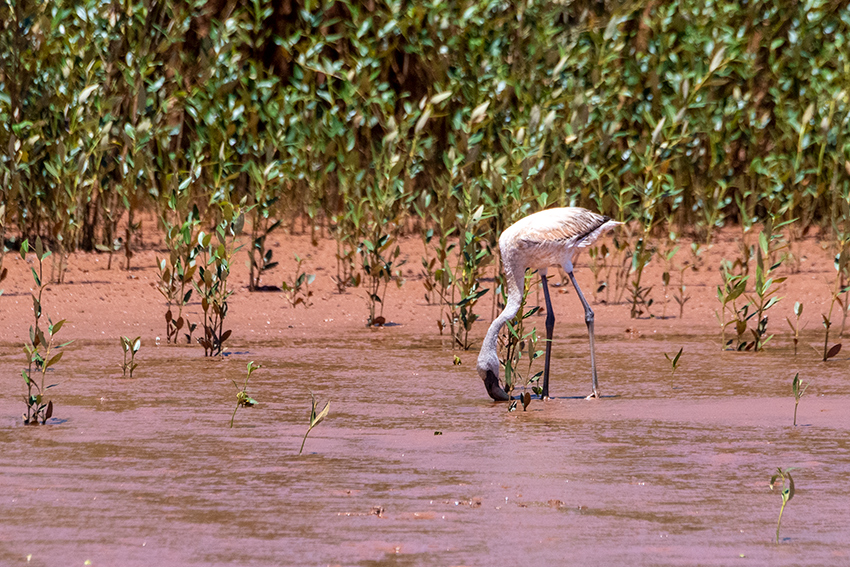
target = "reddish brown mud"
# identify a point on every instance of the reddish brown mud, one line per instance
(661, 471)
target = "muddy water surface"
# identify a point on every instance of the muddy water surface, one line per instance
(661, 471)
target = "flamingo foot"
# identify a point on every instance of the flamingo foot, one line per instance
(593, 396)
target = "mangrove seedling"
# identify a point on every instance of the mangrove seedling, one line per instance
(177, 269)
(640, 294)
(243, 400)
(130, 347)
(679, 295)
(733, 287)
(117, 244)
(829, 352)
(346, 230)
(665, 276)
(3, 271)
(428, 278)
(517, 343)
(266, 194)
(40, 349)
(787, 492)
(378, 262)
(215, 256)
(842, 264)
(674, 362)
(315, 418)
(461, 286)
(798, 393)
(429, 264)
(191, 327)
(765, 288)
(598, 256)
(795, 327)
(298, 290)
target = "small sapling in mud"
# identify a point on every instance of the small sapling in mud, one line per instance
(460, 286)
(517, 343)
(315, 418)
(795, 327)
(177, 270)
(378, 260)
(243, 400)
(130, 348)
(733, 287)
(842, 266)
(787, 492)
(191, 327)
(829, 352)
(765, 289)
(40, 349)
(680, 294)
(214, 263)
(798, 393)
(674, 362)
(259, 256)
(665, 276)
(598, 255)
(298, 290)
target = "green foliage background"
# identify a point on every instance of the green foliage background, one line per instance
(691, 111)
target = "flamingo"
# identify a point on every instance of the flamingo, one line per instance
(546, 238)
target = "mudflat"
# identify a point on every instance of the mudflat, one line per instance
(414, 464)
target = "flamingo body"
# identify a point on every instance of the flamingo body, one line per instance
(543, 239)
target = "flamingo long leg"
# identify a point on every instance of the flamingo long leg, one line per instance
(588, 318)
(550, 325)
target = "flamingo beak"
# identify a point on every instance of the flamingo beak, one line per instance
(491, 382)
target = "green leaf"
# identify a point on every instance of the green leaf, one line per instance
(53, 360)
(763, 243)
(56, 326)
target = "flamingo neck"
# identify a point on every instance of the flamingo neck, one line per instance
(488, 359)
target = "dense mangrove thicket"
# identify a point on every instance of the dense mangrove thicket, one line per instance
(359, 115)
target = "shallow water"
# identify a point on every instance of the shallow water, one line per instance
(661, 471)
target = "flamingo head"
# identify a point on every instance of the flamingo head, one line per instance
(488, 370)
